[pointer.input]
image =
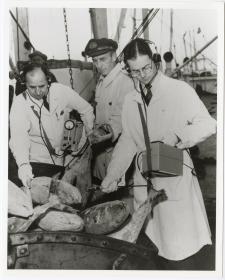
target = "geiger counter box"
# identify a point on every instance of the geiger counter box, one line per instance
(166, 160)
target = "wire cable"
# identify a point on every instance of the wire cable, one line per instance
(21, 29)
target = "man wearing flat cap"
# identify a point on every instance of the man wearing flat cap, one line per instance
(113, 84)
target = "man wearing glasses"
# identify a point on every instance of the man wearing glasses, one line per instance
(175, 115)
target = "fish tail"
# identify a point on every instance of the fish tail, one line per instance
(155, 197)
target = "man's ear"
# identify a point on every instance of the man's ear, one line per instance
(114, 56)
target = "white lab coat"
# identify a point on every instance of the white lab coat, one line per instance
(26, 142)
(110, 93)
(179, 227)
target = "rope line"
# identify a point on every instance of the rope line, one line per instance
(21, 29)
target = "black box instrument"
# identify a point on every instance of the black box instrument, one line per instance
(166, 160)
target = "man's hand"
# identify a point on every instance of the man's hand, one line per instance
(25, 174)
(170, 139)
(108, 185)
(100, 134)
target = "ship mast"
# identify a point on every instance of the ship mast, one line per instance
(99, 22)
(195, 55)
(184, 41)
(146, 31)
(195, 50)
(22, 44)
(120, 24)
(171, 30)
(134, 21)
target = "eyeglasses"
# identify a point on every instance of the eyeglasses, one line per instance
(146, 69)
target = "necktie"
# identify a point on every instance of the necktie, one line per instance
(45, 102)
(148, 95)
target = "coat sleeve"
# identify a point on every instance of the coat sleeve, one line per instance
(19, 129)
(124, 151)
(199, 125)
(124, 87)
(76, 102)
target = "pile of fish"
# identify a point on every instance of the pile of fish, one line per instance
(52, 205)
(52, 200)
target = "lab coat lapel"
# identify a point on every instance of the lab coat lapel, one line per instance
(137, 98)
(54, 103)
(111, 76)
(157, 87)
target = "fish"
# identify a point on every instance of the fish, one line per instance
(105, 217)
(131, 230)
(18, 224)
(57, 220)
(19, 201)
(78, 173)
(42, 188)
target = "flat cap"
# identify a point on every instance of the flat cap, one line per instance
(37, 53)
(97, 47)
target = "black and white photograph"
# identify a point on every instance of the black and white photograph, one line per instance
(113, 137)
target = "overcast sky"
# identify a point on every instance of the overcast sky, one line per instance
(48, 35)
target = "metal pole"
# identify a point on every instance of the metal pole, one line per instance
(161, 30)
(145, 25)
(185, 47)
(190, 59)
(171, 30)
(191, 51)
(194, 45)
(120, 24)
(99, 22)
(134, 21)
(93, 22)
(146, 32)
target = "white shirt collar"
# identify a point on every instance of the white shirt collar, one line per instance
(111, 76)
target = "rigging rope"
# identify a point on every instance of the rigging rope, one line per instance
(68, 49)
(195, 55)
(140, 30)
(141, 25)
(17, 36)
(145, 25)
(21, 29)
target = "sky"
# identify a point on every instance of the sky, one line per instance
(49, 37)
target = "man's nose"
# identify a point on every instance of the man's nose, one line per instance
(38, 90)
(99, 64)
(142, 73)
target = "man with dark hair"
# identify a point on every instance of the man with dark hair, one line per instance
(37, 120)
(36, 57)
(113, 84)
(40, 58)
(175, 115)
